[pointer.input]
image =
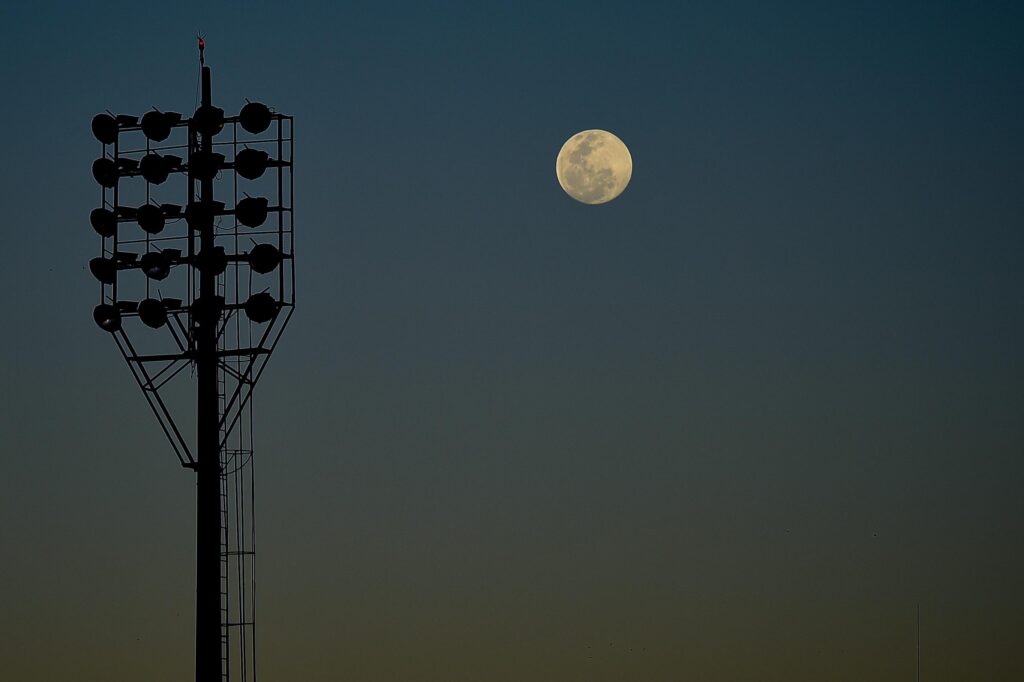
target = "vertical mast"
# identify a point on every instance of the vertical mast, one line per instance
(208, 511)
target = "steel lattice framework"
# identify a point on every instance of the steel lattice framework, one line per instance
(201, 290)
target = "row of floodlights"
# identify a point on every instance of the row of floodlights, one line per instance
(156, 265)
(259, 308)
(156, 125)
(156, 168)
(250, 211)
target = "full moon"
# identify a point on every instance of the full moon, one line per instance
(594, 166)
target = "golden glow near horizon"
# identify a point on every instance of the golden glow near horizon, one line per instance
(594, 166)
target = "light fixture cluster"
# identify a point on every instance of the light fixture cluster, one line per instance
(156, 168)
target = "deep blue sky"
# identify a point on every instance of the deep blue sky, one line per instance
(732, 425)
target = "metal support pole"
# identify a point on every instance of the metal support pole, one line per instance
(208, 511)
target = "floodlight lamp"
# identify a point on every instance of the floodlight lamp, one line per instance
(264, 258)
(103, 221)
(212, 262)
(153, 313)
(151, 218)
(108, 317)
(208, 120)
(251, 211)
(200, 214)
(261, 307)
(156, 125)
(156, 168)
(105, 172)
(103, 269)
(255, 117)
(203, 310)
(251, 163)
(205, 165)
(105, 128)
(156, 264)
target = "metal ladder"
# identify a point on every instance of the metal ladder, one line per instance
(225, 643)
(234, 553)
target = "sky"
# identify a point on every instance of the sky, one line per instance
(736, 424)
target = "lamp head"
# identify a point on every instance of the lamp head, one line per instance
(251, 211)
(153, 313)
(108, 317)
(212, 262)
(208, 120)
(103, 221)
(105, 128)
(156, 125)
(200, 214)
(156, 264)
(261, 307)
(205, 165)
(264, 258)
(151, 218)
(251, 163)
(255, 117)
(105, 172)
(103, 269)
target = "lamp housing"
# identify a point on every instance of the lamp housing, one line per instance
(255, 117)
(205, 165)
(156, 125)
(261, 307)
(252, 211)
(153, 313)
(104, 221)
(208, 120)
(103, 269)
(264, 258)
(251, 163)
(108, 317)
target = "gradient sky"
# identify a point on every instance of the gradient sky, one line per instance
(733, 425)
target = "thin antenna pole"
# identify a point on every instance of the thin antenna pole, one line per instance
(918, 677)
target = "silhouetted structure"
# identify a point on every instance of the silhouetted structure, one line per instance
(208, 287)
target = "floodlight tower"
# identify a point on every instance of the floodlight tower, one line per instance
(231, 273)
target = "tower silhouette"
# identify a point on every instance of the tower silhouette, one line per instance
(207, 287)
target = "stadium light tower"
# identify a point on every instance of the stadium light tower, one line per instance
(209, 286)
